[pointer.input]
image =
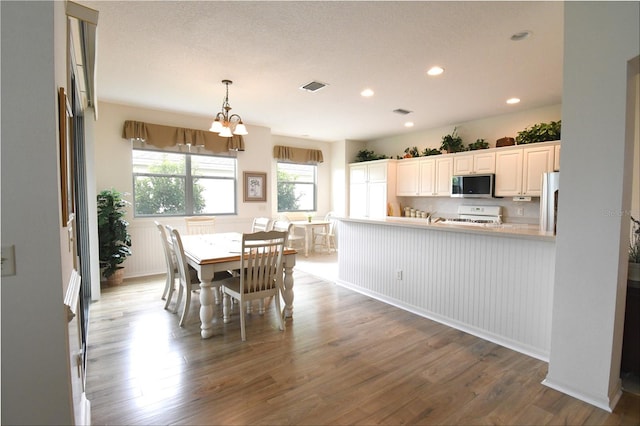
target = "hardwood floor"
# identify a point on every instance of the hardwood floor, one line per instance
(343, 359)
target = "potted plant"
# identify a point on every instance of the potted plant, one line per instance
(478, 144)
(411, 152)
(634, 252)
(541, 132)
(452, 143)
(113, 236)
(431, 151)
(366, 155)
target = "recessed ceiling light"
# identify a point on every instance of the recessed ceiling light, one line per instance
(408, 124)
(521, 35)
(367, 93)
(512, 101)
(433, 71)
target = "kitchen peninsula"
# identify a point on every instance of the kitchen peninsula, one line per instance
(492, 282)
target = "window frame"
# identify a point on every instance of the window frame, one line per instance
(187, 178)
(314, 183)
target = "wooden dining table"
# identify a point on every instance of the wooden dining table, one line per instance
(211, 253)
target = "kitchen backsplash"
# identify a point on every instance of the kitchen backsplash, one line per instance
(448, 207)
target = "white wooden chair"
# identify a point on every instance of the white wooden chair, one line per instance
(326, 238)
(188, 277)
(261, 224)
(288, 227)
(170, 262)
(200, 225)
(262, 276)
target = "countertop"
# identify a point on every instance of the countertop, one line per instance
(509, 230)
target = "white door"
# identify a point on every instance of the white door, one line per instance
(407, 177)
(444, 173)
(537, 161)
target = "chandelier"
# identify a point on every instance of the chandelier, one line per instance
(226, 125)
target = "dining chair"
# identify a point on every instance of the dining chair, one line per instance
(200, 225)
(188, 277)
(261, 224)
(170, 263)
(261, 256)
(283, 225)
(327, 236)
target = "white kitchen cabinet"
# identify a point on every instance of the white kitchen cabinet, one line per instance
(408, 177)
(424, 177)
(556, 158)
(372, 187)
(476, 163)
(519, 170)
(536, 161)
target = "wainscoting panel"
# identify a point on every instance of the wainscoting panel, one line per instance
(495, 287)
(148, 259)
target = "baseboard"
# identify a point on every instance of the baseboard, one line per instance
(608, 403)
(483, 334)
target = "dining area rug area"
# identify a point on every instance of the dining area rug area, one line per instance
(344, 358)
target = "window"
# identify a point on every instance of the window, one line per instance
(296, 187)
(183, 184)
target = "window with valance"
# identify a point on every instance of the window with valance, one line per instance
(168, 136)
(297, 155)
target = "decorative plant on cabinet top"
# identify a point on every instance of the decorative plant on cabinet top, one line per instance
(541, 132)
(452, 143)
(113, 235)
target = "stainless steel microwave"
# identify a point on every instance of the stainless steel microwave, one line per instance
(472, 186)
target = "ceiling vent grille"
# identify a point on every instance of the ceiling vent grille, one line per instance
(402, 111)
(313, 86)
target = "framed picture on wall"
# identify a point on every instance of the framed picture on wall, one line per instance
(255, 186)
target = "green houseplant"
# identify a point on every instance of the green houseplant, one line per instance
(634, 251)
(431, 151)
(452, 143)
(541, 132)
(366, 155)
(113, 235)
(478, 144)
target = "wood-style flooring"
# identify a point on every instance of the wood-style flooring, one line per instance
(343, 359)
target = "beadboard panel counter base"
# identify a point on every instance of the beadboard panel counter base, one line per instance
(496, 288)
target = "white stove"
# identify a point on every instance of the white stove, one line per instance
(477, 216)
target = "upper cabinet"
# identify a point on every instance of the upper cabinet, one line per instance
(519, 170)
(372, 185)
(476, 163)
(556, 158)
(426, 177)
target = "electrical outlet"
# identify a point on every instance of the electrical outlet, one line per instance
(520, 211)
(8, 260)
(399, 275)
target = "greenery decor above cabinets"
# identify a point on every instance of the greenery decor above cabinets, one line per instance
(541, 132)
(479, 163)
(519, 169)
(425, 177)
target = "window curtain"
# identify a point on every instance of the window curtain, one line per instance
(167, 136)
(297, 155)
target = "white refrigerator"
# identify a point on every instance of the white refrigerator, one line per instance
(549, 201)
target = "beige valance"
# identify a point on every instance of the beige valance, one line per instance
(297, 155)
(166, 136)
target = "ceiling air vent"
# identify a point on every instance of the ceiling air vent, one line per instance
(313, 86)
(402, 111)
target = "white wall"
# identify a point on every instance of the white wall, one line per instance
(489, 128)
(35, 365)
(588, 313)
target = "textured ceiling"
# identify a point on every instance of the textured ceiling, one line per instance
(172, 56)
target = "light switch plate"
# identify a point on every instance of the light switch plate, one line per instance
(8, 261)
